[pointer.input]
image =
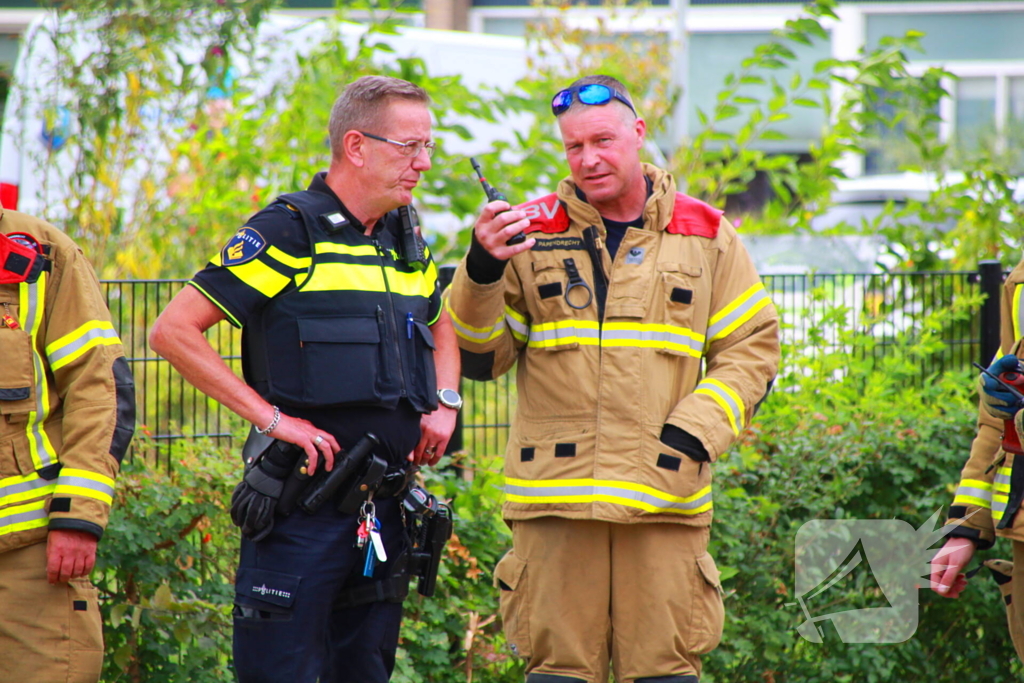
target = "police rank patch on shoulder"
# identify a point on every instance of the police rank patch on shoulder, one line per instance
(243, 247)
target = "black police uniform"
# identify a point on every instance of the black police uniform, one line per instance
(337, 334)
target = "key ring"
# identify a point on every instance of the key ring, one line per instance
(368, 510)
(575, 280)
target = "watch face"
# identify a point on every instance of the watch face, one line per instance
(450, 396)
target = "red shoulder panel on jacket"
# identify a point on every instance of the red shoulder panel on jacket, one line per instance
(693, 217)
(546, 215)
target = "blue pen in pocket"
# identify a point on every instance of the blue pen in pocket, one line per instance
(409, 325)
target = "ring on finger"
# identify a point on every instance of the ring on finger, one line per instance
(430, 451)
(318, 440)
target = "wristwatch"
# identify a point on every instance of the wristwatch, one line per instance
(449, 398)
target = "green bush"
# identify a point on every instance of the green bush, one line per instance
(166, 569)
(881, 443)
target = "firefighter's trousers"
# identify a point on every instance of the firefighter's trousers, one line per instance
(578, 593)
(47, 632)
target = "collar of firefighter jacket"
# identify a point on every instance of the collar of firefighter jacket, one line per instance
(657, 212)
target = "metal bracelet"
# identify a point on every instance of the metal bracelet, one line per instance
(273, 423)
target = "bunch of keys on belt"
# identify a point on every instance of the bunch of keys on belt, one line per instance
(368, 537)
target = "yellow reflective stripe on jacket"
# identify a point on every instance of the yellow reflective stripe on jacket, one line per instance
(366, 278)
(21, 488)
(973, 492)
(480, 335)
(1000, 492)
(517, 324)
(73, 346)
(563, 332)
(548, 491)
(22, 517)
(739, 311)
(74, 482)
(32, 297)
(1016, 312)
(652, 336)
(728, 399)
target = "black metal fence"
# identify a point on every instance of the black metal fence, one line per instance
(864, 313)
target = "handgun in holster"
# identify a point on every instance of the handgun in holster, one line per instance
(324, 485)
(430, 527)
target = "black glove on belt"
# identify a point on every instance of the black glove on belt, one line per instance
(255, 498)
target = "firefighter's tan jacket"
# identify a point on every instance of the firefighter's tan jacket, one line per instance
(66, 395)
(689, 337)
(983, 493)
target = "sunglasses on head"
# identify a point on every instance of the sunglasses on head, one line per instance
(593, 94)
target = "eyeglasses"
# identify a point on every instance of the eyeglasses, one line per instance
(594, 94)
(406, 149)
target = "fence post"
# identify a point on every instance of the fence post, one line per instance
(990, 277)
(444, 278)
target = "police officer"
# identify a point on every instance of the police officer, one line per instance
(68, 404)
(987, 501)
(343, 334)
(644, 341)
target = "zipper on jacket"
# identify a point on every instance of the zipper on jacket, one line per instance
(600, 279)
(382, 327)
(392, 327)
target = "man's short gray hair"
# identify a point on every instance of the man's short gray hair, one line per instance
(363, 103)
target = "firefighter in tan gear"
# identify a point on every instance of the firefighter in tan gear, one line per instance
(987, 499)
(68, 404)
(644, 340)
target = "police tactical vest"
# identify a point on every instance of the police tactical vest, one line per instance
(353, 329)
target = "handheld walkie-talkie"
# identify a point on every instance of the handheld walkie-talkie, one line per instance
(412, 244)
(494, 195)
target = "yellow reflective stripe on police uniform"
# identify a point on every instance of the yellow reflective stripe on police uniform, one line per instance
(260, 277)
(545, 492)
(19, 489)
(22, 517)
(740, 310)
(74, 482)
(973, 492)
(73, 346)
(1000, 492)
(365, 278)
(652, 336)
(32, 297)
(289, 260)
(725, 397)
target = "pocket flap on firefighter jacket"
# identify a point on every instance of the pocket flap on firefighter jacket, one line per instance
(260, 585)
(710, 572)
(509, 572)
(339, 330)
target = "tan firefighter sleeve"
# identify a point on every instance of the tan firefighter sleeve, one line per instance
(490, 322)
(741, 349)
(93, 383)
(982, 493)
